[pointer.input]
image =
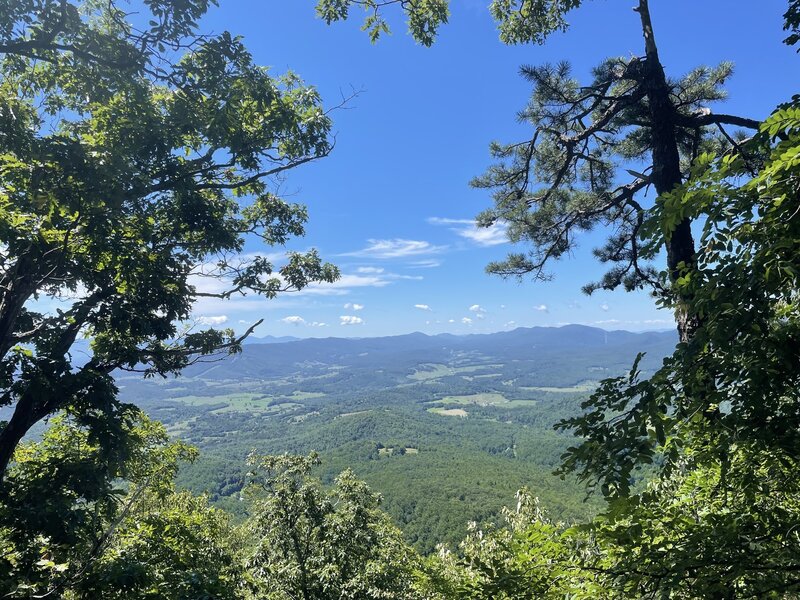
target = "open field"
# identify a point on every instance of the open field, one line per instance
(245, 402)
(579, 388)
(449, 412)
(486, 399)
(429, 371)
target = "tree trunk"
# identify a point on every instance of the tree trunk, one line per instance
(666, 162)
(27, 412)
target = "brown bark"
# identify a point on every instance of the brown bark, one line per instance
(666, 161)
(27, 412)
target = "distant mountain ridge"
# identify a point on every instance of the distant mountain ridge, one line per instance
(402, 353)
(271, 339)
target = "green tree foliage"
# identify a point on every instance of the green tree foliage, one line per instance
(528, 557)
(128, 180)
(707, 532)
(316, 544)
(171, 546)
(424, 16)
(519, 21)
(720, 419)
(72, 507)
(792, 23)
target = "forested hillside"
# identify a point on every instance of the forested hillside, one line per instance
(447, 428)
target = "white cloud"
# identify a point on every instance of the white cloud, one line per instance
(466, 321)
(396, 248)
(541, 308)
(354, 306)
(294, 320)
(297, 320)
(342, 286)
(425, 264)
(510, 324)
(422, 306)
(604, 307)
(486, 236)
(369, 270)
(607, 322)
(213, 320)
(477, 308)
(350, 320)
(408, 277)
(451, 320)
(480, 316)
(345, 283)
(467, 228)
(574, 304)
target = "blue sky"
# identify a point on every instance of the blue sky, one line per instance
(392, 206)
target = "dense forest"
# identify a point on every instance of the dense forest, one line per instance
(142, 154)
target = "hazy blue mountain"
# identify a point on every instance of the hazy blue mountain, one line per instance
(270, 339)
(401, 354)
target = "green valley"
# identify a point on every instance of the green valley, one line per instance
(446, 428)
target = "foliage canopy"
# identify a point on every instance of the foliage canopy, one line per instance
(131, 183)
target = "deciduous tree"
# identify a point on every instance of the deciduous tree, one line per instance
(136, 161)
(316, 544)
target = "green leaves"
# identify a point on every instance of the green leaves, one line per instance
(528, 557)
(424, 17)
(312, 543)
(63, 494)
(126, 177)
(519, 21)
(525, 21)
(717, 424)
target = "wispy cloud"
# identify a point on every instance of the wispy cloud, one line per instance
(467, 228)
(429, 263)
(422, 306)
(604, 307)
(541, 308)
(354, 306)
(369, 270)
(350, 320)
(396, 248)
(345, 283)
(466, 321)
(477, 308)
